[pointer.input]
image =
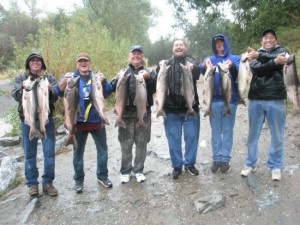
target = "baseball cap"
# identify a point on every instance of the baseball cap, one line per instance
(82, 56)
(218, 38)
(136, 48)
(269, 31)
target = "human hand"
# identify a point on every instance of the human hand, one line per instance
(281, 59)
(229, 63)
(145, 74)
(207, 64)
(252, 54)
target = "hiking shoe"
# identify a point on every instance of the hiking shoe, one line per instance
(78, 186)
(125, 178)
(105, 182)
(215, 167)
(49, 189)
(33, 190)
(225, 167)
(140, 177)
(247, 170)
(176, 173)
(276, 174)
(192, 170)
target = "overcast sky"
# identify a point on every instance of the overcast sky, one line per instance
(163, 27)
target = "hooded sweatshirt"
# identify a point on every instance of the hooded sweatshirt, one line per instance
(215, 59)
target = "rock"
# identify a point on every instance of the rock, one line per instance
(34, 203)
(8, 171)
(291, 168)
(61, 130)
(268, 199)
(210, 202)
(252, 183)
(10, 141)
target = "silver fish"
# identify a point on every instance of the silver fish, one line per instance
(188, 90)
(121, 98)
(43, 104)
(140, 100)
(98, 98)
(225, 86)
(29, 103)
(291, 82)
(161, 89)
(209, 83)
(72, 109)
(243, 76)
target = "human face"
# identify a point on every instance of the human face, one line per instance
(220, 46)
(269, 41)
(136, 58)
(179, 48)
(35, 65)
(83, 66)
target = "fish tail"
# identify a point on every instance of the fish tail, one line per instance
(120, 123)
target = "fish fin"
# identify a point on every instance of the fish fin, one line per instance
(190, 114)
(105, 120)
(71, 139)
(161, 113)
(120, 123)
(34, 133)
(140, 124)
(208, 113)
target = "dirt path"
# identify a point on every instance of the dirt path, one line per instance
(162, 200)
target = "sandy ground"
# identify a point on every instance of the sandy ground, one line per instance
(162, 200)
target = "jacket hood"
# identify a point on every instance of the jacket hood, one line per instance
(226, 44)
(38, 55)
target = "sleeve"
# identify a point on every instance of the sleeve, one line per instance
(263, 68)
(151, 82)
(52, 94)
(107, 88)
(56, 89)
(234, 70)
(114, 83)
(17, 89)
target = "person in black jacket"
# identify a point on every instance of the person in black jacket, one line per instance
(129, 130)
(266, 101)
(175, 108)
(35, 70)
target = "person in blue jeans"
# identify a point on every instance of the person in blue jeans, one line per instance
(222, 125)
(87, 122)
(35, 69)
(266, 102)
(175, 122)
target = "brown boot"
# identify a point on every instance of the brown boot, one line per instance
(33, 190)
(49, 189)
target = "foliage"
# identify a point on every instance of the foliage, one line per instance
(127, 18)
(13, 183)
(12, 117)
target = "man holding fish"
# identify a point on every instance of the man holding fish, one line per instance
(134, 87)
(34, 90)
(266, 102)
(221, 94)
(84, 94)
(177, 100)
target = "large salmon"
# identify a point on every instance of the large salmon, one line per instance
(97, 97)
(243, 76)
(121, 98)
(225, 85)
(43, 104)
(72, 110)
(291, 82)
(209, 83)
(29, 103)
(140, 100)
(161, 89)
(188, 90)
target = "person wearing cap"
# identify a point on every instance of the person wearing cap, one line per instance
(176, 122)
(134, 134)
(222, 125)
(35, 69)
(87, 122)
(266, 102)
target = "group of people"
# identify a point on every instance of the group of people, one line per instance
(266, 102)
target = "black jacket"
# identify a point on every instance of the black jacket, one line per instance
(267, 82)
(150, 86)
(17, 92)
(175, 101)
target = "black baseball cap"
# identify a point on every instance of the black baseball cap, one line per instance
(269, 31)
(136, 48)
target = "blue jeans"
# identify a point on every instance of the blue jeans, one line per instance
(99, 137)
(174, 124)
(222, 131)
(30, 153)
(274, 112)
